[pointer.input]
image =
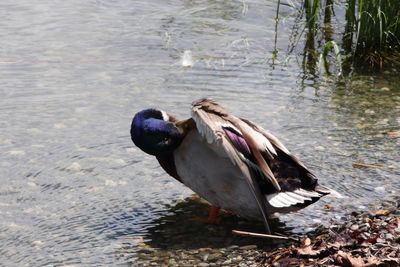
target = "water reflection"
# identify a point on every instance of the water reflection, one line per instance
(184, 228)
(73, 188)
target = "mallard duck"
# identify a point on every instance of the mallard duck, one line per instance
(231, 162)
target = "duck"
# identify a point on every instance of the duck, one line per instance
(231, 162)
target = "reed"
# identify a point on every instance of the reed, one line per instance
(371, 36)
(377, 30)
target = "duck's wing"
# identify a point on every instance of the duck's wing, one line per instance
(239, 141)
(299, 186)
(215, 124)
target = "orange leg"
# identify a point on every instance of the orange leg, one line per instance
(213, 215)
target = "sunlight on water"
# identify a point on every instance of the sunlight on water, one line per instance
(73, 188)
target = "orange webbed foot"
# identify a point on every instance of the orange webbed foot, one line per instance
(212, 217)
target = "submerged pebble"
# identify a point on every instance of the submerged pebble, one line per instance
(75, 166)
(17, 152)
(59, 126)
(380, 189)
(372, 230)
(248, 247)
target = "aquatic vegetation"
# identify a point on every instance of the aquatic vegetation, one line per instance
(323, 62)
(378, 31)
(367, 33)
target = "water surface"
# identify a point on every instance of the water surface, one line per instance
(73, 188)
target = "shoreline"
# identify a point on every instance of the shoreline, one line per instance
(364, 239)
(368, 238)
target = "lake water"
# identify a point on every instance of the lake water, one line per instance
(73, 188)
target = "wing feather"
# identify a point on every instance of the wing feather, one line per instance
(275, 142)
(258, 153)
(211, 114)
(209, 118)
(255, 148)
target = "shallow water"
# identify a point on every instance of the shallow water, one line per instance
(73, 188)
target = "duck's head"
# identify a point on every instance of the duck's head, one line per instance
(155, 132)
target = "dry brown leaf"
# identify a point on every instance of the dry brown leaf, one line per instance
(289, 262)
(398, 222)
(346, 259)
(391, 260)
(307, 242)
(392, 254)
(367, 220)
(373, 261)
(335, 245)
(308, 251)
(382, 212)
(328, 207)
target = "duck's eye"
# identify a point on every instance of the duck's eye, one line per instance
(166, 139)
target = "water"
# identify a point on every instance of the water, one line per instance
(74, 190)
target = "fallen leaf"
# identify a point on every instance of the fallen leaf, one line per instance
(288, 262)
(336, 245)
(392, 254)
(328, 207)
(373, 261)
(367, 220)
(307, 242)
(346, 259)
(382, 212)
(308, 251)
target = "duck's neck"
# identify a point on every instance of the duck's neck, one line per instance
(167, 162)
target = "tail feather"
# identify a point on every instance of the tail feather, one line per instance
(328, 191)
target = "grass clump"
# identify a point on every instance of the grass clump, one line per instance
(377, 25)
(370, 37)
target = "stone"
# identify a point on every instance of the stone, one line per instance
(59, 126)
(227, 262)
(238, 259)
(380, 189)
(75, 166)
(214, 256)
(389, 236)
(172, 261)
(37, 243)
(248, 247)
(146, 250)
(354, 227)
(144, 256)
(365, 227)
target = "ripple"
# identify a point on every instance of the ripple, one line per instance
(73, 188)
